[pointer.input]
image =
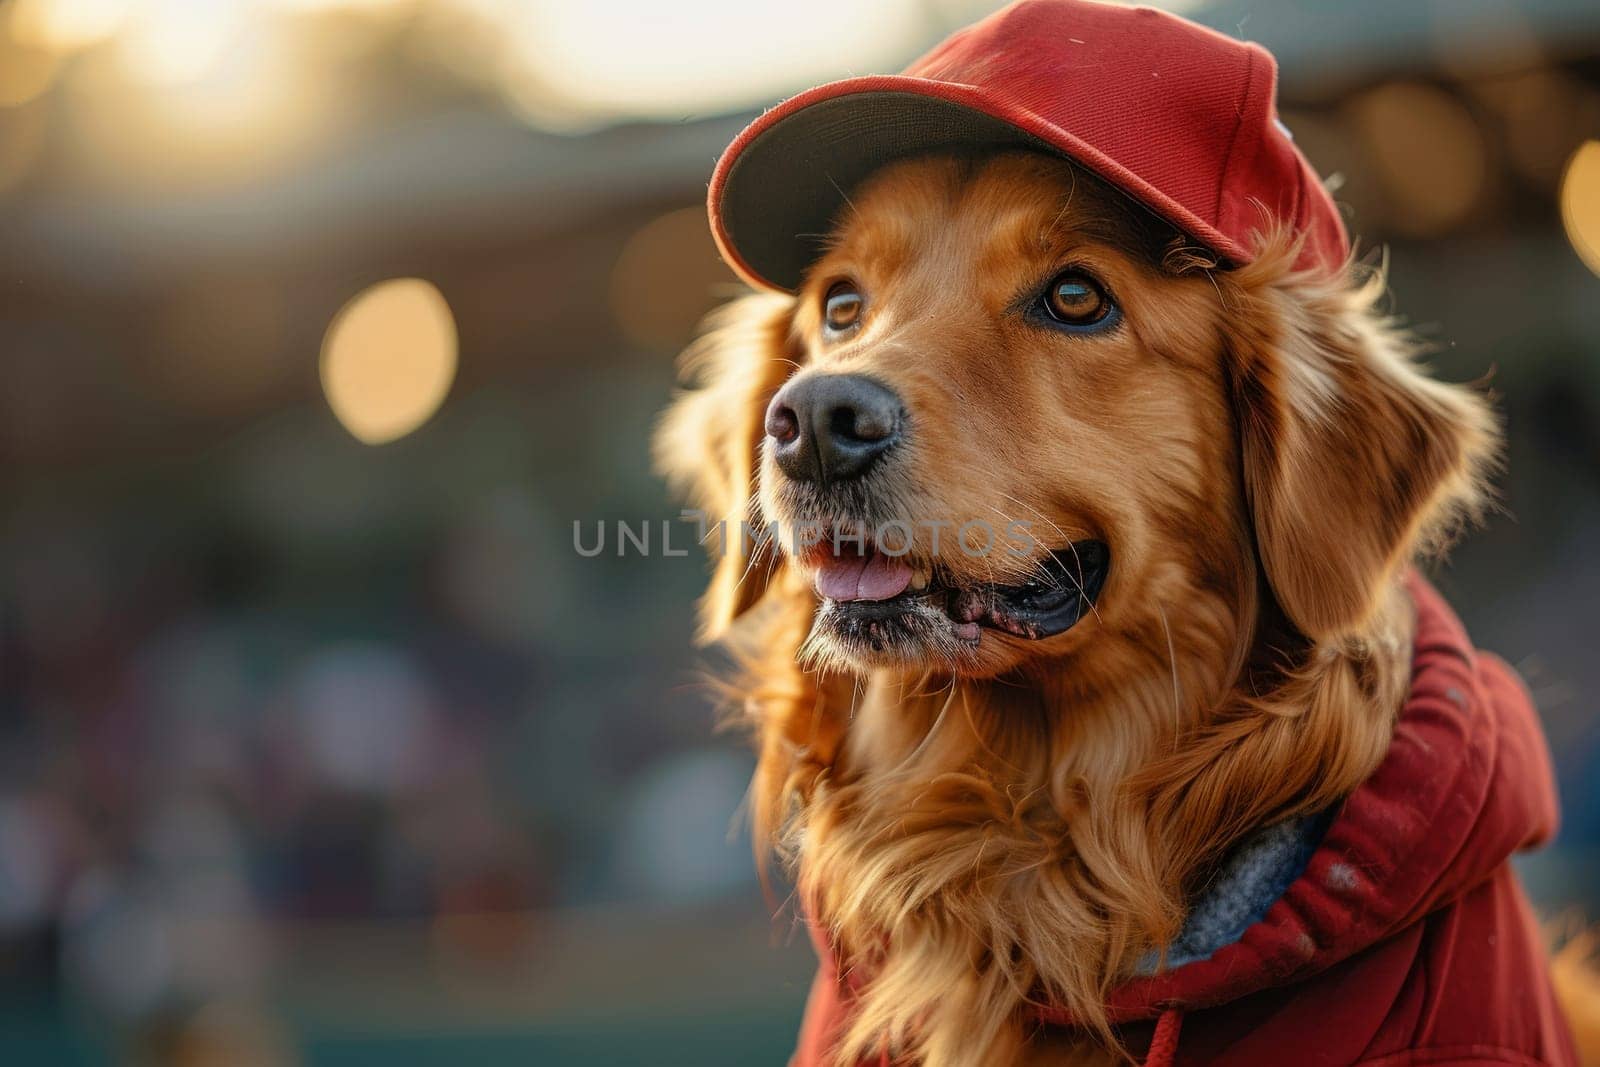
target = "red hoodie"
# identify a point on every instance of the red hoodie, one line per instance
(1405, 939)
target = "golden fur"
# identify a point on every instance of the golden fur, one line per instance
(976, 830)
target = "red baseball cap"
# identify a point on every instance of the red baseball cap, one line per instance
(1179, 117)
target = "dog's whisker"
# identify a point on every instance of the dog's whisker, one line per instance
(851, 204)
(752, 553)
(1172, 661)
(933, 728)
(1071, 543)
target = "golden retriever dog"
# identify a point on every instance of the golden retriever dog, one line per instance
(1000, 773)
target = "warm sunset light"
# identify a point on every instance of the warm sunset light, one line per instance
(343, 5)
(388, 359)
(27, 69)
(1580, 203)
(571, 62)
(67, 24)
(179, 41)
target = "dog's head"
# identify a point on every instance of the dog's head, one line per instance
(1009, 418)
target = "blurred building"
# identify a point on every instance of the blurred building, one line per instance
(322, 321)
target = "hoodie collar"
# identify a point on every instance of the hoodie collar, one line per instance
(1248, 882)
(1466, 783)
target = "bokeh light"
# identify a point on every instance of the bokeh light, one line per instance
(666, 278)
(67, 24)
(355, 6)
(1541, 113)
(1429, 154)
(1580, 203)
(389, 358)
(226, 97)
(26, 70)
(576, 63)
(181, 41)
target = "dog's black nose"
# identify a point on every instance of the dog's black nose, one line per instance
(831, 427)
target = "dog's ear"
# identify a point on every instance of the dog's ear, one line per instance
(1353, 459)
(709, 440)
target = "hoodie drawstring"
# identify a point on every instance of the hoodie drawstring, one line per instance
(1164, 1044)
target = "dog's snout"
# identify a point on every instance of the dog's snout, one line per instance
(832, 427)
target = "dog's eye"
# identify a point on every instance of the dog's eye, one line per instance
(1075, 299)
(841, 308)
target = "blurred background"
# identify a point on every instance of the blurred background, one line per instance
(321, 321)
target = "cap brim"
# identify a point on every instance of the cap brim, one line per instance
(779, 187)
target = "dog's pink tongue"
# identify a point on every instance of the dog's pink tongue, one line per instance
(840, 577)
(873, 577)
(883, 577)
